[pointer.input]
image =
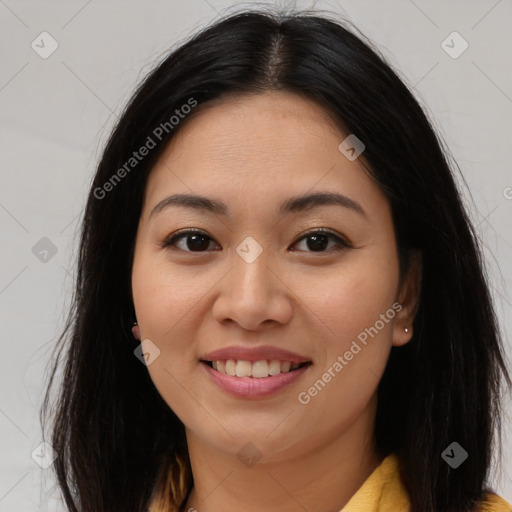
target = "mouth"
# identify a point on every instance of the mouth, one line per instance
(254, 369)
(258, 379)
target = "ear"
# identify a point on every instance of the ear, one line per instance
(136, 332)
(408, 298)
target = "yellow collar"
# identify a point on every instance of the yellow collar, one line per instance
(384, 491)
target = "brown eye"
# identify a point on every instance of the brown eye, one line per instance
(318, 240)
(195, 241)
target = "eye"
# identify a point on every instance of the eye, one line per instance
(319, 239)
(199, 241)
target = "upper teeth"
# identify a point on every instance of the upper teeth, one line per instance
(257, 369)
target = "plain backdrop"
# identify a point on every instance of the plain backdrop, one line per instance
(56, 113)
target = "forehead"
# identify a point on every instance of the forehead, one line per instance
(257, 125)
(259, 148)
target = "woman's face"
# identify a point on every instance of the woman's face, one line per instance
(261, 277)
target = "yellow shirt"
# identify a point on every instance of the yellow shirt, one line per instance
(384, 491)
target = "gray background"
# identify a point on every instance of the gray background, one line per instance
(57, 112)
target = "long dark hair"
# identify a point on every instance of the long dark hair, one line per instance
(118, 443)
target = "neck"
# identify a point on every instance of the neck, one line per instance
(322, 474)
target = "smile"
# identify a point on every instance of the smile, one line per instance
(257, 379)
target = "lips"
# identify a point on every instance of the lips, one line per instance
(264, 352)
(254, 372)
(254, 388)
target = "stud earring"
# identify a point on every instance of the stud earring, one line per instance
(136, 330)
(406, 330)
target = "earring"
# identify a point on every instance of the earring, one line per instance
(135, 330)
(406, 330)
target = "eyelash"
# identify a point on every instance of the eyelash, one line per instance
(342, 244)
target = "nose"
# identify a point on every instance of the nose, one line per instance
(253, 294)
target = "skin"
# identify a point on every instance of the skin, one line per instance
(252, 153)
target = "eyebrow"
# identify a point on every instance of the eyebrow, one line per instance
(291, 205)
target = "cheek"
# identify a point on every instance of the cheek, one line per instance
(165, 303)
(351, 299)
(163, 298)
(357, 309)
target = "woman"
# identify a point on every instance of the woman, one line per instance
(277, 216)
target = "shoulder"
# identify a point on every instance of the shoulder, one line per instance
(493, 503)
